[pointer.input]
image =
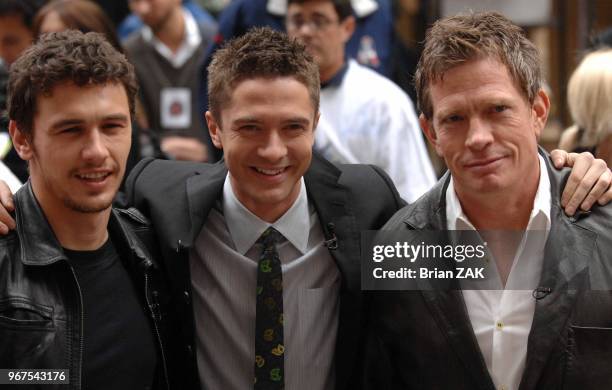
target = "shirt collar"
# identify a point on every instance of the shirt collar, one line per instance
(245, 228)
(457, 220)
(336, 80)
(190, 44)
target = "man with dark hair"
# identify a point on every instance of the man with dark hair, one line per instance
(132, 23)
(79, 288)
(539, 323)
(365, 118)
(167, 52)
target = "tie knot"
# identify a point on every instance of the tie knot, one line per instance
(270, 237)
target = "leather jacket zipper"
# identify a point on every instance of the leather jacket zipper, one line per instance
(153, 307)
(81, 348)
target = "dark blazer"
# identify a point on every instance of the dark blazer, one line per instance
(177, 197)
(424, 339)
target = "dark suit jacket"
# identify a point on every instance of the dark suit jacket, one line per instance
(177, 197)
(424, 339)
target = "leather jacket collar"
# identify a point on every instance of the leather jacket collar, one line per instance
(39, 245)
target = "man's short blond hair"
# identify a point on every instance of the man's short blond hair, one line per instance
(455, 40)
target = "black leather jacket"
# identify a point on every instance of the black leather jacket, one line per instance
(41, 314)
(424, 339)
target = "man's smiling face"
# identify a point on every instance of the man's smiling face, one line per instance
(78, 148)
(484, 127)
(266, 133)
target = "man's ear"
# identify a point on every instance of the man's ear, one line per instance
(430, 133)
(348, 28)
(213, 130)
(540, 109)
(21, 142)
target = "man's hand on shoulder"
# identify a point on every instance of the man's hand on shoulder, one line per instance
(589, 181)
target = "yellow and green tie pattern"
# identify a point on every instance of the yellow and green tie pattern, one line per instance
(269, 344)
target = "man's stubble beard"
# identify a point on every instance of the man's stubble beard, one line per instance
(81, 208)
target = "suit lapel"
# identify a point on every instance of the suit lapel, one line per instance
(331, 200)
(180, 215)
(203, 190)
(568, 250)
(448, 308)
(445, 300)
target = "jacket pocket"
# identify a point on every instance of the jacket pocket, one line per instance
(589, 352)
(26, 332)
(22, 314)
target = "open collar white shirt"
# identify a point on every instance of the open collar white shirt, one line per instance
(501, 319)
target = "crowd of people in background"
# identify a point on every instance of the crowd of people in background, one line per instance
(171, 42)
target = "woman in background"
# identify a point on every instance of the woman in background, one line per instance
(83, 15)
(589, 97)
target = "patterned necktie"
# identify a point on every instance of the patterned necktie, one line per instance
(269, 344)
